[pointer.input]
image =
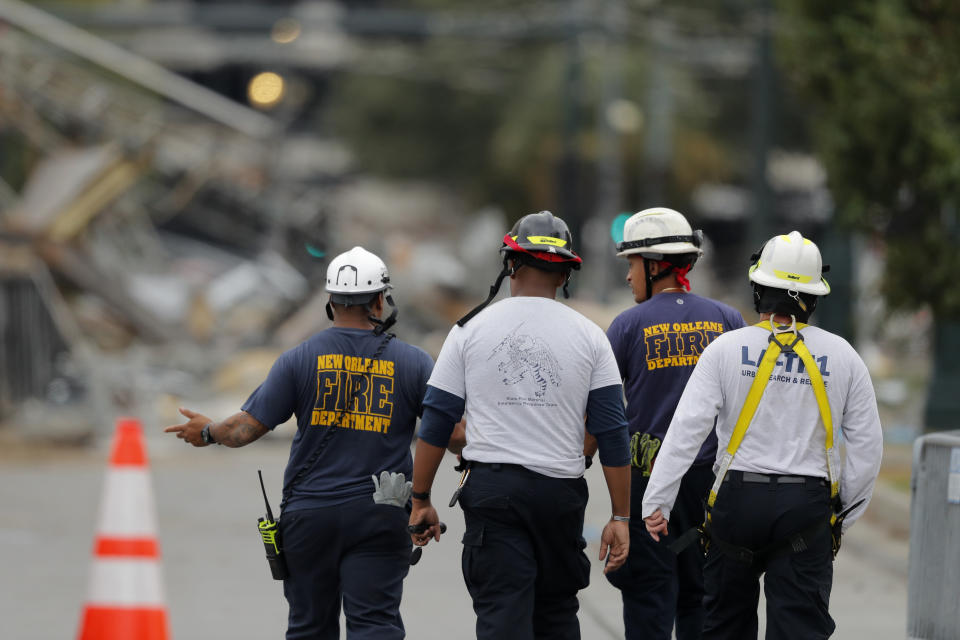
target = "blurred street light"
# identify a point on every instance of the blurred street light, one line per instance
(624, 116)
(285, 31)
(266, 90)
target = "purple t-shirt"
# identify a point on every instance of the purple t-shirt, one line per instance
(656, 344)
(314, 380)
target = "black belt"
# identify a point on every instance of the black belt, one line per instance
(497, 466)
(764, 478)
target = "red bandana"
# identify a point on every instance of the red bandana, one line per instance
(681, 273)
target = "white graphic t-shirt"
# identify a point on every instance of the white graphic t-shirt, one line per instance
(525, 366)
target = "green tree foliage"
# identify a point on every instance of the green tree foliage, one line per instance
(881, 83)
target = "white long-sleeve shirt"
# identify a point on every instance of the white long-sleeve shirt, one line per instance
(787, 434)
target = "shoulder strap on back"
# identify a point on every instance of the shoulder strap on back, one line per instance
(790, 340)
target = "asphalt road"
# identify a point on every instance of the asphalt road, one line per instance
(217, 583)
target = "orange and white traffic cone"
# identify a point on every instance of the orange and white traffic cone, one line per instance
(125, 599)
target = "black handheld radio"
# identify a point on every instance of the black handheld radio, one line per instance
(270, 534)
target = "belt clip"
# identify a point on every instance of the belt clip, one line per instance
(463, 480)
(773, 482)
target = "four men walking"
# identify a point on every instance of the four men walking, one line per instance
(533, 381)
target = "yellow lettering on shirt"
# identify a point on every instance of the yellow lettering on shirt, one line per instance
(370, 385)
(678, 344)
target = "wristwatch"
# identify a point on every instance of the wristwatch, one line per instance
(205, 434)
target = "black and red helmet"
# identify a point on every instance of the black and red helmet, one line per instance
(542, 238)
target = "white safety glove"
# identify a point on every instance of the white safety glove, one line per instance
(392, 488)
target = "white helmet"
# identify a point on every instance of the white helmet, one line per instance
(659, 231)
(355, 277)
(790, 262)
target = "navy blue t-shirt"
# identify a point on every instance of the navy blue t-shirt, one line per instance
(657, 343)
(314, 380)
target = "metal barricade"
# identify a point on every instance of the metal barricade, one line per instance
(933, 596)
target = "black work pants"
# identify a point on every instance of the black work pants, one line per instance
(796, 585)
(658, 586)
(358, 553)
(523, 559)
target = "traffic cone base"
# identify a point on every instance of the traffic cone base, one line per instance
(137, 623)
(125, 599)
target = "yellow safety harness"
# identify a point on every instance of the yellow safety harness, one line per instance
(782, 340)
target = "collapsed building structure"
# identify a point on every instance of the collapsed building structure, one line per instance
(162, 229)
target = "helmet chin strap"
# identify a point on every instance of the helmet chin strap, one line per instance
(380, 326)
(784, 302)
(383, 325)
(494, 289)
(507, 270)
(651, 279)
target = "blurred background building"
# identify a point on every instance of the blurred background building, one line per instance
(164, 167)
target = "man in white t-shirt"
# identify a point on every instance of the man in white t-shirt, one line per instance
(523, 373)
(780, 502)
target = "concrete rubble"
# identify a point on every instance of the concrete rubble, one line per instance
(159, 236)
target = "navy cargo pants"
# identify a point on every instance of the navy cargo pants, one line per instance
(358, 553)
(796, 585)
(523, 559)
(658, 586)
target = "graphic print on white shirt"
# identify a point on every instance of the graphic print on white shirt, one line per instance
(522, 357)
(525, 367)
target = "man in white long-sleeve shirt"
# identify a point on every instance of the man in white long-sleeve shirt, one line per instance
(777, 490)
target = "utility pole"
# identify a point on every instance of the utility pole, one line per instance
(568, 179)
(762, 214)
(608, 202)
(658, 117)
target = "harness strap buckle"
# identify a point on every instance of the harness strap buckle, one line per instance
(788, 347)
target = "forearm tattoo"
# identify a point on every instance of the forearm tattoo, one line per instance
(240, 429)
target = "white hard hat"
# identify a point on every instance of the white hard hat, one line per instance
(790, 262)
(355, 273)
(659, 231)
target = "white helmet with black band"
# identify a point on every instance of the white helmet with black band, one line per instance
(787, 276)
(357, 277)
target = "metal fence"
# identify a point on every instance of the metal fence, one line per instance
(933, 597)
